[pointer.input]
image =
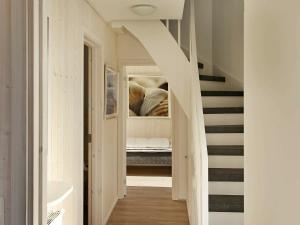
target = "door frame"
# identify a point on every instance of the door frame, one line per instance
(26, 144)
(122, 122)
(178, 159)
(97, 114)
(89, 127)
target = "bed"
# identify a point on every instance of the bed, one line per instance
(149, 152)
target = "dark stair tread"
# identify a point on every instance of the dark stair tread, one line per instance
(230, 150)
(212, 78)
(225, 129)
(226, 203)
(224, 110)
(223, 93)
(200, 65)
(225, 175)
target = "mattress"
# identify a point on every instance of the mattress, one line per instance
(149, 159)
(149, 152)
(148, 144)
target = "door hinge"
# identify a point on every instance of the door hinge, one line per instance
(89, 138)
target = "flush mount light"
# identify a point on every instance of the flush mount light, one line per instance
(143, 9)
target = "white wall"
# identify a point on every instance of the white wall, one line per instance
(5, 112)
(68, 22)
(149, 127)
(228, 39)
(204, 38)
(131, 51)
(272, 54)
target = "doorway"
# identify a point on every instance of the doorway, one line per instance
(87, 148)
(148, 129)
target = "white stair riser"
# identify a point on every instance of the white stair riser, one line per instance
(220, 218)
(229, 101)
(225, 139)
(226, 161)
(224, 119)
(217, 86)
(226, 188)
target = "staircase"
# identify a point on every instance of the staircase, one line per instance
(223, 113)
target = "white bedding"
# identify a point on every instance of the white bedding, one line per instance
(148, 143)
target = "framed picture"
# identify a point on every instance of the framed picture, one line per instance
(148, 97)
(111, 93)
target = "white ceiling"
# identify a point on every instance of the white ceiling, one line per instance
(115, 10)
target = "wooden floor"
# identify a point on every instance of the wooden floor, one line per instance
(163, 171)
(149, 206)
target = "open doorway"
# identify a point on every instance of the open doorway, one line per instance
(87, 148)
(148, 128)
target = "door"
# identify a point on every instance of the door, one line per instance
(87, 154)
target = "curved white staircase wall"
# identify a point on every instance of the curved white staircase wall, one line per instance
(167, 55)
(182, 76)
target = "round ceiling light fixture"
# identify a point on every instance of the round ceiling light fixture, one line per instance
(143, 9)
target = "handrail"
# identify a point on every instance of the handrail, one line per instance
(199, 147)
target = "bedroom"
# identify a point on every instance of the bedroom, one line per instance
(149, 128)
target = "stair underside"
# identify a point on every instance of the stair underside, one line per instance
(225, 129)
(226, 203)
(225, 175)
(224, 110)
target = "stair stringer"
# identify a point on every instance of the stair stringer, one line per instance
(167, 55)
(182, 76)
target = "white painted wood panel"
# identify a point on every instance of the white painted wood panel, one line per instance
(224, 119)
(226, 188)
(5, 112)
(217, 161)
(69, 22)
(221, 218)
(218, 86)
(225, 139)
(222, 101)
(180, 151)
(149, 128)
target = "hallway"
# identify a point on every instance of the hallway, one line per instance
(149, 206)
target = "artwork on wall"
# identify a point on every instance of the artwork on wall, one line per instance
(148, 96)
(111, 93)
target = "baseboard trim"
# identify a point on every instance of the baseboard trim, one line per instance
(106, 217)
(230, 78)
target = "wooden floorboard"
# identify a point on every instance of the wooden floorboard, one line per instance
(165, 171)
(149, 206)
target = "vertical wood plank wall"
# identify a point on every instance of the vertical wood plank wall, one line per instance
(68, 22)
(149, 127)
(5, 106)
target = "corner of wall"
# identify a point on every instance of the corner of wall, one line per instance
(106, 217)
(231, 80)
(208, 67)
